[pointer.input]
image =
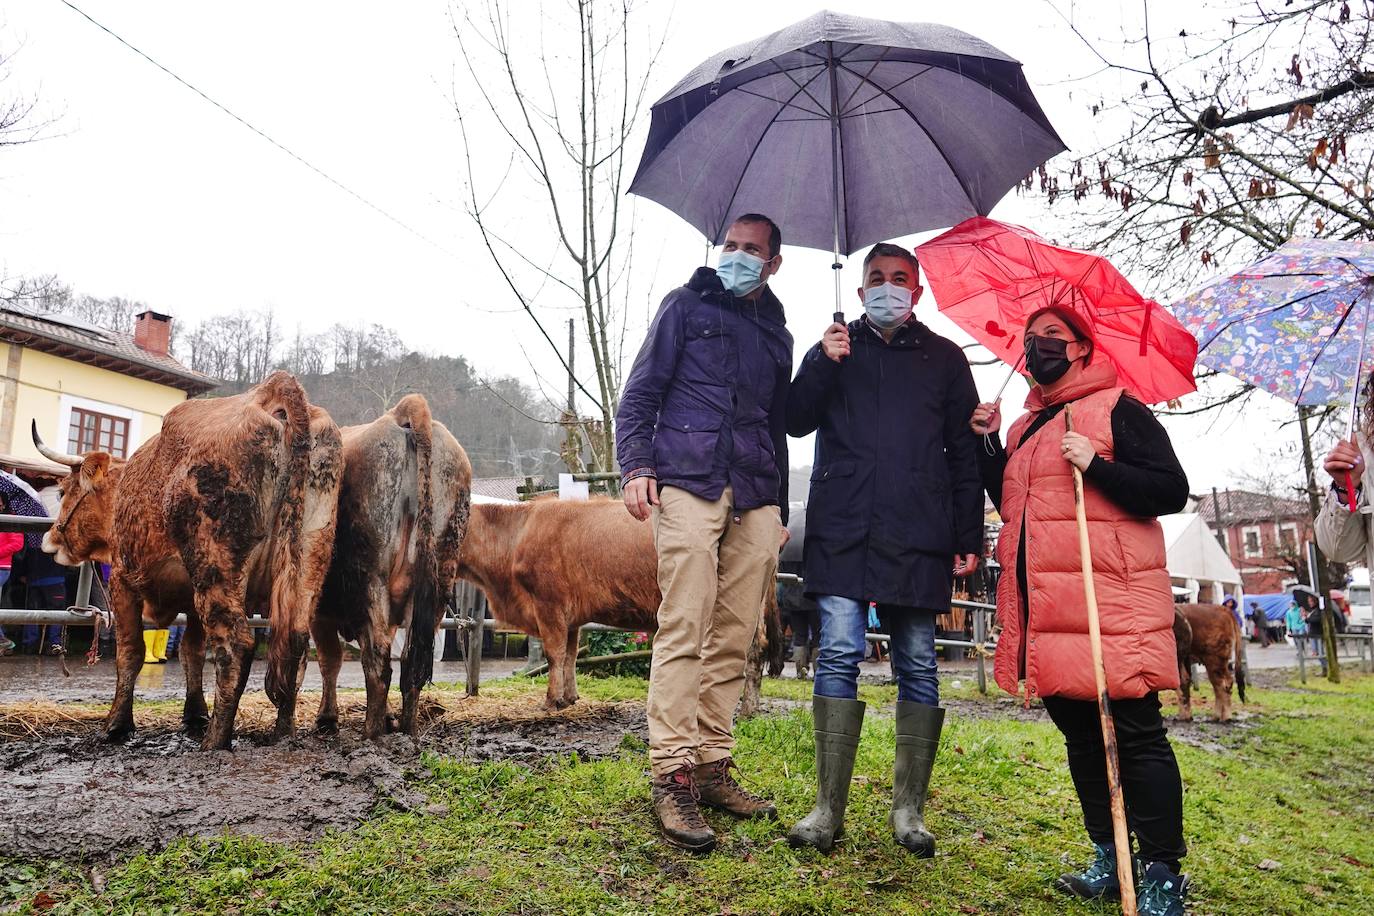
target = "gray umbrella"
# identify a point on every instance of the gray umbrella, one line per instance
(846, 131)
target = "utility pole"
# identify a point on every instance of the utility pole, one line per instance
(1221, 530)
(1320, 576)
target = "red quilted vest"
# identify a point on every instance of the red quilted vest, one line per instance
(1135, 603)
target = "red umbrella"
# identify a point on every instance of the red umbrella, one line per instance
(989, 277)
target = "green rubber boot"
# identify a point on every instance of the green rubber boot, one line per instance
(838, 723)
(918, 737)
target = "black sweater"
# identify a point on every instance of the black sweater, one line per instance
(1145, 479)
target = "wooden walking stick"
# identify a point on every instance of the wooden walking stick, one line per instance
(1104, 704)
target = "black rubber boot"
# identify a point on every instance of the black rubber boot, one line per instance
(918, 737)
(838, 723)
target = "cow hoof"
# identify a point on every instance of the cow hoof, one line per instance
(393, 724)
(327, 727)
(212, 743)
(195, 726)
(117, 732)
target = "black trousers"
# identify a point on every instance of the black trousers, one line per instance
(1149, 773)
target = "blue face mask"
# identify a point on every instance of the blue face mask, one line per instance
(742, 273)
(887, 306)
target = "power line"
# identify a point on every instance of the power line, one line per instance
(294, 155)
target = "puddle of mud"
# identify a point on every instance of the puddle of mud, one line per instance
(76, 798)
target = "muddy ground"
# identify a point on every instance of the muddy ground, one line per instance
(74, 797)
(71, 796)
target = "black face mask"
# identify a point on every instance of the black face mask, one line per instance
(1047, 358)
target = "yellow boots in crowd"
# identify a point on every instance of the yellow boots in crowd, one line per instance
(155, 646)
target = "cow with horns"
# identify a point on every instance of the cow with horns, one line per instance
(230, 507)
(403, 511)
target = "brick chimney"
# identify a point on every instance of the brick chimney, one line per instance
(153, 332)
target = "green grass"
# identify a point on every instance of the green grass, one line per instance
(1292, 786)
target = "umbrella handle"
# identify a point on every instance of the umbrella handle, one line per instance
(1350, 491)
(838, 317)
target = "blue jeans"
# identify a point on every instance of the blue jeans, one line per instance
(844, 622)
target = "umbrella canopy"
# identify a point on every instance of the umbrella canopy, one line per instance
(1288, 323)
(845, 131)
(23, 500)
(989, 277)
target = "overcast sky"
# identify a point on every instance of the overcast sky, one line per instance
(143, 189)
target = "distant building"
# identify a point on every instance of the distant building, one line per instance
(1265, 536)
(88, 388)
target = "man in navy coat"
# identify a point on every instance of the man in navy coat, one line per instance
(896, 511)
(702, 444)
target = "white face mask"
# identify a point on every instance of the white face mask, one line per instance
(887, 306)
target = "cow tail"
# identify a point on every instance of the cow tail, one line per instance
(1239, 639)
(284, 395)
(412, 413)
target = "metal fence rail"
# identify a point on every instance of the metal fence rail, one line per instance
(471, 613)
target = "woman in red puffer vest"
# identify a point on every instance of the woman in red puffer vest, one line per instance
(1131, 476)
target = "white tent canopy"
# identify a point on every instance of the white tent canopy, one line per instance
(1196, 561)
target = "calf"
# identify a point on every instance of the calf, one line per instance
(403, 512)
(230, 507)
(1208, 633)
(547, 567)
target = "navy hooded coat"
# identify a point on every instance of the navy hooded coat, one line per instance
(895, 488)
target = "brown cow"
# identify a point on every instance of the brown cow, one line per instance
(1209, 633)
(403, 511)
(230, 507)
(549, 566)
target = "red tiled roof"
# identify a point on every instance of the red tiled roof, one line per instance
(99, 347)
(1240, 506)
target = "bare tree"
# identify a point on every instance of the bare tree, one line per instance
(555, 223)
(20, 121)
(1252, 126)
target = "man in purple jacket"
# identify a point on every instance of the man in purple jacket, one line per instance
(702, 443)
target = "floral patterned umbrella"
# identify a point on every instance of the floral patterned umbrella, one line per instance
(1288, 323)
(22, 500)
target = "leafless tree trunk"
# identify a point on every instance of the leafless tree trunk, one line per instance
(565, 125)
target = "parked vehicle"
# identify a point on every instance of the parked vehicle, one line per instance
(1357, 593)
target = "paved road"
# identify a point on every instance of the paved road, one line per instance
(24, 678)
(27, 677)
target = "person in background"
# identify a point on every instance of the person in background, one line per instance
(1296, 625)
(1231, 605)
(11, 542)
(1261, 624)
(1316, 625)
(1131, 476)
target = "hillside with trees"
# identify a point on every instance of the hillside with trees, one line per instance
(356, 373)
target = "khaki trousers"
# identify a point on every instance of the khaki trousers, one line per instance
(714, 568)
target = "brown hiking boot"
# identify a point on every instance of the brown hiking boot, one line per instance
(718, 788)
(675, 803)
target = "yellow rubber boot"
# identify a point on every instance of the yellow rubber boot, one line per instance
(149, 647)
(160, 644)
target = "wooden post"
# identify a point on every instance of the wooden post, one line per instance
(980, 635)
(1104, 703)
